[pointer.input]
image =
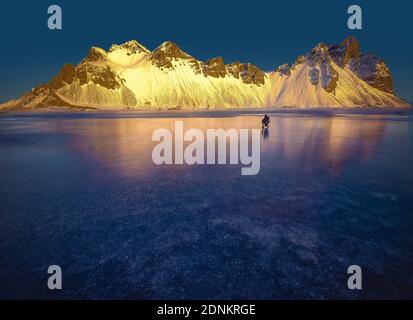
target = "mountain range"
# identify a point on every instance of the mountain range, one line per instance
(129, 76)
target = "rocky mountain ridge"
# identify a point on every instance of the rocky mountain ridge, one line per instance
(131, 76)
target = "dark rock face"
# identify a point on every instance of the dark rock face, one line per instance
(319, 54)
(314, 75)
(214, 67)
(248, 72)
(374, 71)
(234, 69)
(85, 73)
(284, 70)
(323, 71)
(299, 60)
(367, 67)
(99, 75)
(342, 54)
(94, 54)
(160, 59)
(168, 51)
(252, 74)
(65, 76)
(330, 77)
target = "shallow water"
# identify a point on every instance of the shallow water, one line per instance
(81, 191)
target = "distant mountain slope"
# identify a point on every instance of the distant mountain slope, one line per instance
(131, 76)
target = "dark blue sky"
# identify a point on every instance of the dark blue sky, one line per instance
(266, 33)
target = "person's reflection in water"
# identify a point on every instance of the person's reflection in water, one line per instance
(265, 132)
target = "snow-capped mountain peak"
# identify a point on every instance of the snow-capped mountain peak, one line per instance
(131, 47)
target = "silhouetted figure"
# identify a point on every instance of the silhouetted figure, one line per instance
(265, 122)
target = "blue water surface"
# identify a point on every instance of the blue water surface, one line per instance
(81, 191)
